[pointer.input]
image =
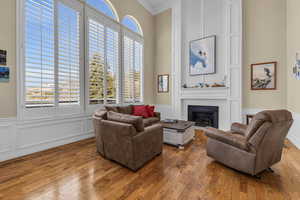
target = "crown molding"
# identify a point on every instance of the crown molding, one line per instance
(155, 7)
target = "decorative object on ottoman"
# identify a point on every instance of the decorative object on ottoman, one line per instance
(253, 148)
(178, 133)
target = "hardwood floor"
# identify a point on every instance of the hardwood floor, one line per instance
(76, 171)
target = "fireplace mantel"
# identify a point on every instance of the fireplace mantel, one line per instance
(229, 39)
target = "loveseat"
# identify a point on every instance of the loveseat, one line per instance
(129, 140)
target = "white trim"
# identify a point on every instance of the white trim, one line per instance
(156, 8)
(176, 56)
(18, 138)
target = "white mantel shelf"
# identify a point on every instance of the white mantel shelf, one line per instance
(205, 93)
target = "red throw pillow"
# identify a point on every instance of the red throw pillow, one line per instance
(151, 111)
(140, 111)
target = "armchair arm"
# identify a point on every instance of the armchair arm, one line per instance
(157, 114)
(239, 128)
(118, 128)
(227, 138)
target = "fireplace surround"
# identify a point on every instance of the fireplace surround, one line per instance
(204, 115)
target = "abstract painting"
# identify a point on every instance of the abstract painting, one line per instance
(202, 56)
(4, 74)
(163, 83)
(263, 76)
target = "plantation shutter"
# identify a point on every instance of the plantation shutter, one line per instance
(96, 62)
(112, 65)
(39, 53)
(103, 58)
(138, 64)
(68, 55)
(133, 66)
(128, 76)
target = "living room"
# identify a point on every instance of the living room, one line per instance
(149, 99)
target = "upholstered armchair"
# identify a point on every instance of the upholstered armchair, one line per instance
(253, 148)
(127, 139)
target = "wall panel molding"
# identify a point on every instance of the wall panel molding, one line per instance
(19, 138)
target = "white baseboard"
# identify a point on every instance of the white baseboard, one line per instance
(19, 138)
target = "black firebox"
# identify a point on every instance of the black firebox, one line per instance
(204, 115)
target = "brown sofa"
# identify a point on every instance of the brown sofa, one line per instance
(129, 140)
(254, 148)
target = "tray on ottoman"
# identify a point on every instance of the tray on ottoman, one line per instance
(178, 133)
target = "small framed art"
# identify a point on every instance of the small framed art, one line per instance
(163, 83)
(263, 76)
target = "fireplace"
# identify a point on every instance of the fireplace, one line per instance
(204, 115)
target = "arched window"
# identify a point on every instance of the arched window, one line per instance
(131, 23)
(104, 6)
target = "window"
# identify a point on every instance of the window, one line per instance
(105, 7)
(132, 24)
(103, 60)
(68, 55)
(54, 63)
(39, 53)
(133, 62)
(52, 49)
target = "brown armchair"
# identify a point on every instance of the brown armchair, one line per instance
(126, 139)
(254, 148)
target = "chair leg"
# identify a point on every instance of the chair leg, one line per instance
(257, 177)
(271, 170)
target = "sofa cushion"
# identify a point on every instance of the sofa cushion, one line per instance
(125, 109)
(112, 108)
(151, 110)
(141, 111)
(136, 121)
(150, 121)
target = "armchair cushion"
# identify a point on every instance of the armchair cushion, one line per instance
(125, 109)
(239, 128)
(112, 108)
(227, 138)
(150, 121)
(136, 121)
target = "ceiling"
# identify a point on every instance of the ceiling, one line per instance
(156, 6)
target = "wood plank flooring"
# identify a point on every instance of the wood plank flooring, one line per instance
(77, 172)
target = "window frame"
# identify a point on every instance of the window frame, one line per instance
(84, 108)
(24, 112)
(94, 14)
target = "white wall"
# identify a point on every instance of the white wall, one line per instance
(201, 19)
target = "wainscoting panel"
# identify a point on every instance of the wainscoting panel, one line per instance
(18, 138)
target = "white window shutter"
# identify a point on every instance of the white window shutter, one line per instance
(39, 53)
(68, 55)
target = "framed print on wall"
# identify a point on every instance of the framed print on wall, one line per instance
(163, 83)
(263, 76)
(203, 56)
